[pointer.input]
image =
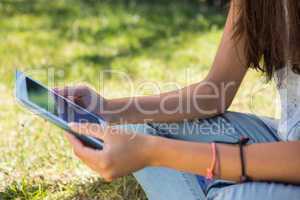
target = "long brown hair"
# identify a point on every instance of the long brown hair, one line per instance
(270, 42)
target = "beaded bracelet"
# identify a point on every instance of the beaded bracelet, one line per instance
(241, 142)
(210, 170)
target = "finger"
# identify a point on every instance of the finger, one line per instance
(84, 153)
(78, 90)
(91, 161)
(55, 89)
(73, 140)
(91, 129)
(80, 94)
(60, 91)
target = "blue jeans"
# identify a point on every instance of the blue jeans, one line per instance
(169, 184)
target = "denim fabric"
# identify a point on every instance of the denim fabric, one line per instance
(169, 184)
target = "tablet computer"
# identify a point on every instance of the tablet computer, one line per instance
(55, 108)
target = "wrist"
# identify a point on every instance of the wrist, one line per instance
(108, 113)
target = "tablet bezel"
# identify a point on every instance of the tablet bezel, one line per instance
(22, 97)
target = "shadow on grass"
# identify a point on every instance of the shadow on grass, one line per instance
(146, 24)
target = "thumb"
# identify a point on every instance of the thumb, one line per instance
(90, 129)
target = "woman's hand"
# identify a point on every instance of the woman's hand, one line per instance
(84, 96)
(122, 154)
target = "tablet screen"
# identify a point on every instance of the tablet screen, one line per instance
(56, 104)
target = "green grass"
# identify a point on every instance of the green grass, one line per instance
(151, 41)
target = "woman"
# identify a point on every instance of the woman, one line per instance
(259, 34)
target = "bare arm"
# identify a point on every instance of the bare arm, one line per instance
(278, 161)
(207, 98)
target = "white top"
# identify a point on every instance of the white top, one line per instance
(288, 85)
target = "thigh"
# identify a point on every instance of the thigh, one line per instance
(255, 190)
(228, 127)
(169, 184)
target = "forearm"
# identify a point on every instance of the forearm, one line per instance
(263, 162)
(279, 161)
(196, 158)
(201, 100)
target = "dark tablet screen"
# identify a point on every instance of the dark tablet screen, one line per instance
(56, 104)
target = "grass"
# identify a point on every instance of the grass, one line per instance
(73, 41)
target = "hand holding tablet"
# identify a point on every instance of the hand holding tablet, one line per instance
(54, 107)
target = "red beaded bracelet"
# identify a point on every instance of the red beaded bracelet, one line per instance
(241, 143)
(210, 170)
